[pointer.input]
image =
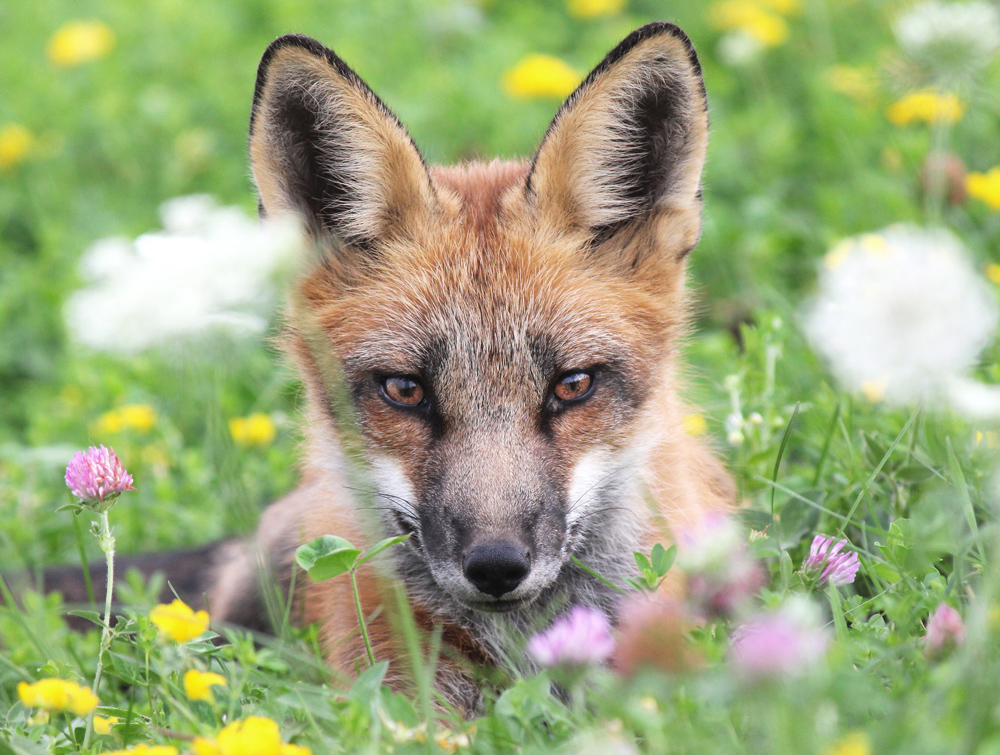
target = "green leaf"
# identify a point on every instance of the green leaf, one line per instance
(128, 732)
(642, 561)
(663, 558)
(326, 557)
(781, 450)
(399, 709)
(365, 688)
(837, 609)
(886, 572)
(381, 546)
(786, 567)
(91, 616)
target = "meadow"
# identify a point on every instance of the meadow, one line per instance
(843, 360)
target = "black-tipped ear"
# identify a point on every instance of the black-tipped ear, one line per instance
(324, 146)
(630, 142)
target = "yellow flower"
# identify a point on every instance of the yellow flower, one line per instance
(855, 743)
(540, 76)
(255, 739)
(785, 7)
(255, 430)
(178, 622)
(198, 684)
(145, 749)
(752, 18)
(80, 42)
(928, 106)
(857, 83)
(694, 424)
(985, 186)
(594, 8)
(139, 417)
(15, 145)
(993, 272)
(57, 694)
(103, 725)
(253, 735)
(202, 746)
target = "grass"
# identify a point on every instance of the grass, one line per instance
(794, 166)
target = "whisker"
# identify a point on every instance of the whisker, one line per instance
(600, 483)
(403, 502)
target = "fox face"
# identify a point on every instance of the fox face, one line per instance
(506, 332)
(499, 405)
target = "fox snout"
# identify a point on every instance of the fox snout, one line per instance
(497, 567)
(493, 535)
(495, 570)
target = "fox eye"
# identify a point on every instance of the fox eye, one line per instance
(401, 390)
(574, 386)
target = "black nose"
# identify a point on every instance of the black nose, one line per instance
(497, 568)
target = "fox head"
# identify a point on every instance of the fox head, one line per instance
(506, 331)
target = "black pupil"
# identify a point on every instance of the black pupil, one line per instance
(575, 384)
(405, 389)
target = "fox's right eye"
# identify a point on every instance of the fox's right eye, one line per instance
(401, 390)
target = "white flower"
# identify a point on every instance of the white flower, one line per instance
(210, 266)
(901, 313)
(952, 38)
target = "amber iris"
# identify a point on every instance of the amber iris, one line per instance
(404, 391)
(574, 386)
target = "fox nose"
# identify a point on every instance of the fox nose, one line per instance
(497, 568)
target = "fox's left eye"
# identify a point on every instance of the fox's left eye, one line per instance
(402, 390)
(574, 386)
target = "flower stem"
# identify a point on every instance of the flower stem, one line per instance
(361, 619)
(107, 542)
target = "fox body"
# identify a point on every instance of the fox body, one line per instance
(507, 336)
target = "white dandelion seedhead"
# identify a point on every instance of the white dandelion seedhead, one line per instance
(901, 313)
(209, 267)
(951, 38)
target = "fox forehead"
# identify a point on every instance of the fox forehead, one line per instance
(480, 285)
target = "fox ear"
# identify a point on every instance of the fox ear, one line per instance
(629, 144)
(323, 145)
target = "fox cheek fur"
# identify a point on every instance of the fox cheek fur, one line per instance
(479, 289)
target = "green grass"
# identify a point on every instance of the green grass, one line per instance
(793, 167)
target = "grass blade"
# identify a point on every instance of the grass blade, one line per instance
(871, 478)
(781, 451)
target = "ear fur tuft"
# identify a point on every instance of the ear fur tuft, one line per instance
(630, 142)
(323, 145)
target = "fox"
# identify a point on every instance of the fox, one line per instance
(497, 344)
